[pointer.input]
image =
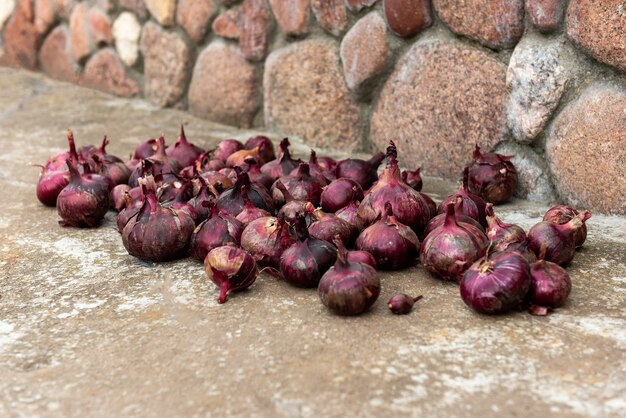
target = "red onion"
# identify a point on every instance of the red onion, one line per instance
(327, 163)
(363, 172)
(432, 206)
(200, 202)
(226, 147)
(265, 146)
(364, 257)
(85, 200)
(438, 220)
(550, 286)
(522, 249)
(350, 215)
(393, 244)
(554, 242)
(318, 171)
(230, 268)
(217, 182)
(57, 162)
(402, 304)
(283, 165)
(250, 212)
(301, 186)
(449, 250)
(266, 239)
(50, 184)
(413, 179)
(293, 207)
(238, 158)
(328, 225)
(131, 209)
(156, 232)
(304, 263)
(175, 192)
(492, 176)
(339, 193)
(500, 233)
(184, 152)
(348, 288)
(254, 172)
(229, 172)
(117, 197)
(232, 201)
(146, 149)
(218, 230)
(107, 165)
(496, 283)
(408, 206)
(157, 164)
(473, 205)
(562, 214)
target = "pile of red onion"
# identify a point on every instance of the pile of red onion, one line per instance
(241, 208)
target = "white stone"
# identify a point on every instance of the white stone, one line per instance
(162, 10)
(6, 9)
(532, 173)
(537, 76)
(126, 32)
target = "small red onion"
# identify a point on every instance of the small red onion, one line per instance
(500, 233)
(117, 197)
(226, 147)
(328, 225)
(266, 239)
(554, 242)
(438, 220)
(305, 261)
(402, 304)
(156, 232)
(202, 202)
(408, 206)
(157, 164)
(57, 162)
(254, 172)
(496, 283)
(522, 249)
(265, 146)
(232, 201)
(348, 288)
(146, 149)
(218, 230)
(492, 176)
(107, 164)
(283, 165)
(184, 152)
(231, 269)
(550, 286)
(393, 244)
(449, 250)
(562, 214)
(327, 163)
(362, 172)
(301, 186)
(358, 256)
(319, 172)
(413, 179)
(339, 193)
(50, 184)
(473, 205)
(292, 208)
(351, 216)
(249, 212)
(238, 158)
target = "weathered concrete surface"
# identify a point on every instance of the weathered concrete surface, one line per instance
(87, 330)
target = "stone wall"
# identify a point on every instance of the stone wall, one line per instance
(544, 80)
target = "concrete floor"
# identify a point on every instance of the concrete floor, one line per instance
(87, 330)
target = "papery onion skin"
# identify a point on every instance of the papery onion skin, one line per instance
(562, 214)
(501, 233)
(554, 242)
(157, 233)
(402, 304)
(266, 148)
(117, 197)
(231, 269)
(362, 172)
(266, 239)
(496, 283)
(348, 289)
(492, 176)
(226, 147)
(393, 244)
(449, 250)
(327, 163)
(305, 261)
(550, 284)
(339, 193)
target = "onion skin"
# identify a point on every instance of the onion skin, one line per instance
(562, 214)
(362, 172)
(226, 147)
(327, 226)
(238, 158)
(408, 206)
(496, 284)
(402, 304)
(157, 164)
(184, 152)
(339, 193)
(254, 172)
(219, 230)
(266, 148)
(554, 242)
(157, 233)
(550, 285)
(323, 175)
(473, 205)
(393, 244)
(351, 216)
(231, 269)
(492, 176)
(266, 239)
(305, 261)
(500, 233)
(348, 289)
(117, 197)
(449, 250)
